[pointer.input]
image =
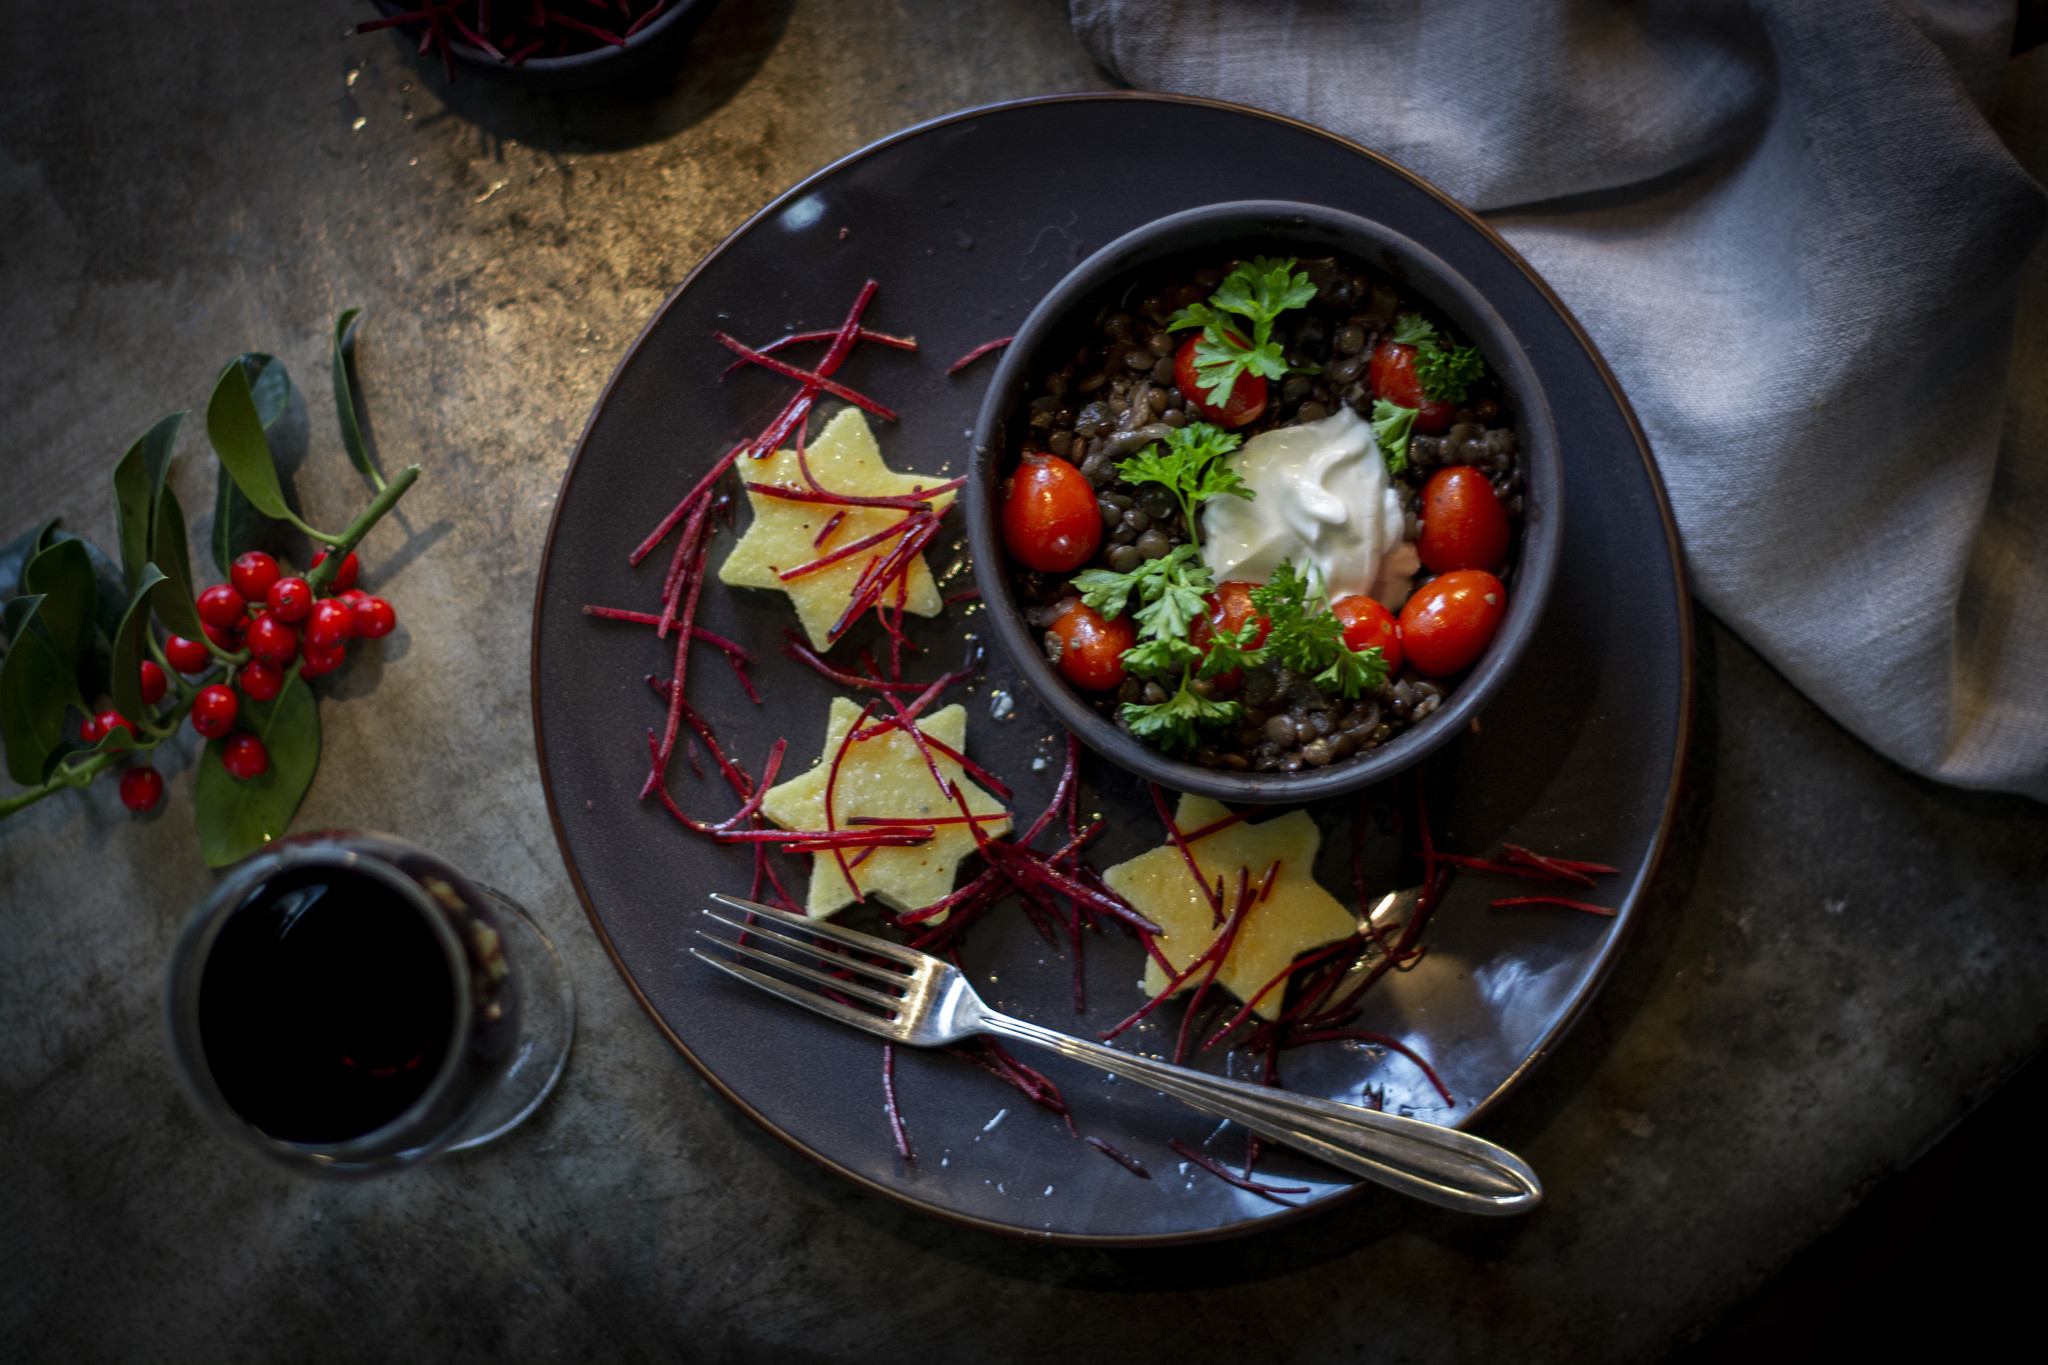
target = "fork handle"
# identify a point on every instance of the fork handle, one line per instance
(1439, 1165)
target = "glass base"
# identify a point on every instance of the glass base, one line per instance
(547, 1024)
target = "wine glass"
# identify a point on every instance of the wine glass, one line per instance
(347, 1004)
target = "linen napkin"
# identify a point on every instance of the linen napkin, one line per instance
(1801, 232)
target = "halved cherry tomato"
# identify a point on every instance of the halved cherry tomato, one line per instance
(1091, 649)
(1391, 375)
(1463, 524)
(1451, 619)
(1050, 520)
(1230, 606)
(1247, 395)
(1369, 625)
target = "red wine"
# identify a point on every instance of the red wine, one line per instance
(327, 1005)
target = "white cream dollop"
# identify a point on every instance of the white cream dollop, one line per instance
(1324, 500)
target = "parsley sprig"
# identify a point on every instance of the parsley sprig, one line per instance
(1190, 465)
(1447, 374)
(1250, 298)
(1308, 638)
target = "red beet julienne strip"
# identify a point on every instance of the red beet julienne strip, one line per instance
(897, 561)
(885, 820)
(768, 772)
(1228, 938)
(1526, 871)
(1379, 1040)
(1123, 1159)
(648, 618)
(802, 652)
(889, 1102)
(803, 840)
(848, 551)
(977, 353)
(799, 338)
(808, 378)
(642, 22)
(1069, 774)
(682, 509)
(1291, 969)
(477, 38)
(1563, 866)
(825, 531)
(604, 35)
(1230, 1177)
(902, 502)
(688, 545)
(832, 786)
(973, 769)
(374, 24)
(1557, 900)
(1186, 854)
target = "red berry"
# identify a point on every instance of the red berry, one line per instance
(318, 660)
(153, 683)
(252, 575)
(345, 576)
(222, 607)
(260, 680)
(332, 622)
(187, 656)
(89, 731)
(213, 710)
(108, 720)
(229, 640)
(272, 641)
(141, 788)
(374, 618)
(245, 757)
(290, 599)
(352, 596)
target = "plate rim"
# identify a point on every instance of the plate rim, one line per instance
(1631, 907)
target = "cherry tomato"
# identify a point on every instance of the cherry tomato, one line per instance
(1247, 395)
(1391, 375)
(1091, 649)
(1463, 524)
(1450, 620)
(1230, 606)
(1369, 625)
(1050, 520)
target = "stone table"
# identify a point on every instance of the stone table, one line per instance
(1838, 961)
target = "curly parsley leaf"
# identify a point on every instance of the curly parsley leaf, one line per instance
(1106, 591)
(1228, 650)
(1448, 372)
(1412, 329)
(1392, 425)
(1156, 658)
(1173, 723)
(1257, 291)
(1354, 672)
(1309, 639)
(1169, 591)
(1190, 464)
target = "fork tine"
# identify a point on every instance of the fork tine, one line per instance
(826, 979)
(909, 957)
(800, 995)
(889, 975)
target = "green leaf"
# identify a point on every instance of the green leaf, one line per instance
(138, 475)
(270, 385)
(1448, 372)
(130, 642)
(62, 575)
(237, 818)
(1228, 650)
(1412, 329)
(1105, 591)
(33, 689)
(234, 518)
(167, 550)
(1354, 672)
(1392, 425)
(345, 397)
(236, 431)
(1173, 723)
(1156, 658)
(15, 555)
(175, 607)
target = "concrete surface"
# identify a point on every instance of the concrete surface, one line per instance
(1842, 958)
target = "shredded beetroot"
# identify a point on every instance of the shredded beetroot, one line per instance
(799, 338)
(1556, 900)
(977, 353)
(889, 1105)
(1123, 1159)
(808, 377)
(1230, 1177)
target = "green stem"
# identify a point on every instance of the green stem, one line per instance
(324, 572)
(84, 773)
(318, 535)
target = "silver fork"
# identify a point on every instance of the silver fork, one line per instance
(929, 1003)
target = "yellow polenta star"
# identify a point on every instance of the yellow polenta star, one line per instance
(784, 533)
(1295, 916)
(886, 776)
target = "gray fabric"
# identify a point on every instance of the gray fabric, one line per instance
(1798, 230)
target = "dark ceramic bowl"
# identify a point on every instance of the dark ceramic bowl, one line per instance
(1202, 236)
(660, 43)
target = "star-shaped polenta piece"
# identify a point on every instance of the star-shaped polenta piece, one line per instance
(784, 534)
(886, 776)
(1297, 916)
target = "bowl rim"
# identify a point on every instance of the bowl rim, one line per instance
(574, 61)
(1422, 273)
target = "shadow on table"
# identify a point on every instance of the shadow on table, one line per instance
(1372, 1217)
(734, 42)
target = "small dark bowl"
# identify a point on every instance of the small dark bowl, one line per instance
(660, 43)
(1246, 228)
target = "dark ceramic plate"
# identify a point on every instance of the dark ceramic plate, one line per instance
(966, 223)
